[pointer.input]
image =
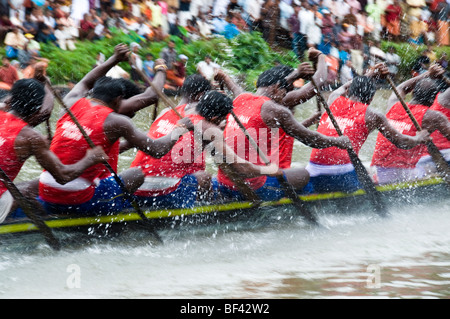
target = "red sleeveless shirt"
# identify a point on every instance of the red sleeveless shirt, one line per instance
(350, 116)
(70, 147)
(183, 159)
(273, 142)
(10, 127)
(387, 154)
(438, 139)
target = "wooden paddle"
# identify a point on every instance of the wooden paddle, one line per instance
(226, 168)
(441, 164)
(360, 169)
(27, 207)
(288, 189)
(127, 196)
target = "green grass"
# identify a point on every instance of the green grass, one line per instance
(245, 56)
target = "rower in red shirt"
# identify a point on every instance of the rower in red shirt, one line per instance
(392, 164)
(437, 120)
(179, 179)
(28, 105)
(269, 120)
(331, 169)
(95, 191)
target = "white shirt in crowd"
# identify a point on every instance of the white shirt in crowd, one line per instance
(306, 18)
(207, 69)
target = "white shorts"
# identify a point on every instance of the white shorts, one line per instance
(318, 170)
(6, 202)
(390, 175)
(426, 163)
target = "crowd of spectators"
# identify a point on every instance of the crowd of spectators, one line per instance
(347, 31)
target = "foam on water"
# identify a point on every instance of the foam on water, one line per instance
(280, 259)
(285, 260)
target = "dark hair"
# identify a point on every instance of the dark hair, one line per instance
(275, 75)
(363, 88)
(425, 91)
(214, 104)
(27, 96)
(107, 89)
(129, 88)
(195, 84)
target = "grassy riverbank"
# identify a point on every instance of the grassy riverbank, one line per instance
(245, 57)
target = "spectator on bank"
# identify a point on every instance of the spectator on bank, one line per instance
(64, 39)
(306, 18)
(30, 26)
(204, 26)
(219, 24)
(421, 64)
(15, 20)
(393, 61)
(184, 12)
(68, 25)
(148, 66)
(14, 41)
(393, 13)
(136, 63)
(87, 27)
(294, 28)
(8, 73)
(45, 34)
(142, 28)
(231, 30)
(207, 68)
(177, 74)
(49, 19)
(418, 31)
(374, 13)
(169, 54)
(347, 72)
(442, 23)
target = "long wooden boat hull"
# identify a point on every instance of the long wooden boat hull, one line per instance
(395, 195)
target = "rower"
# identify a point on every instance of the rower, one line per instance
(179, 179)
(331, 169)
(29, 104)
(175, 179)
(96, 191)
(392, 164)
(273, 126)
(441, 136)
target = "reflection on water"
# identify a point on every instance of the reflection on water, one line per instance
(353, 255)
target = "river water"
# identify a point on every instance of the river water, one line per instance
(353, 256)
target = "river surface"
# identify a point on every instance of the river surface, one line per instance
(353, 256)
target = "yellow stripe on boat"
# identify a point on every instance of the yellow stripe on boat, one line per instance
(230, 207)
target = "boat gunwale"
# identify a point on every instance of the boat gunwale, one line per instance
(123, 217)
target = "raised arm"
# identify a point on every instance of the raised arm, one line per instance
(130, 106)
(87, 82)
(119, 126)
(214, 140)
(435, 71)
(277, 116)
(434, 120)
(30, 143)
(378, 71)
(46, 109)
(225, 79)
(375, 120)
(444, 98)
(308, 91)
